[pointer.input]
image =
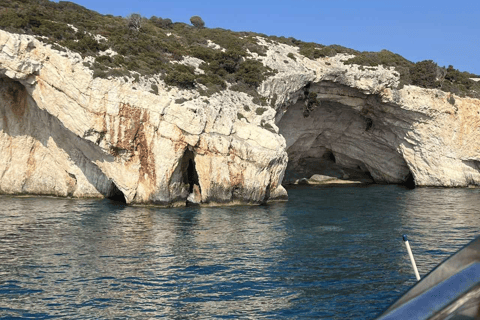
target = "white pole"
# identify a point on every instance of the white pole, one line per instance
(411, 257)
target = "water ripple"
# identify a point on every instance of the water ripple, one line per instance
(329, 253)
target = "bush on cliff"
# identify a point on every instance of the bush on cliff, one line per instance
(149, 46)
(161, 23)
(424, 74)
(181, 76)
(197, 22)
(314, 51)
(144, 46)
(385, 58)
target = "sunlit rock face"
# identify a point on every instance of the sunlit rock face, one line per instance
(343, 136)
(354, 123)
(64, 133)
(391, 137)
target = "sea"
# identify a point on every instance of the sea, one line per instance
(328, 253)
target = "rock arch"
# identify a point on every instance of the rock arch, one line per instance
(346, 135)
(115, 194)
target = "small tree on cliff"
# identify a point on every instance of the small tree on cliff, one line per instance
(424, 74)
(134, 21)
(197, 22)
(162, 23)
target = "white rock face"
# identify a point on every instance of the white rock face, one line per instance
(362, 124)
(64, 133)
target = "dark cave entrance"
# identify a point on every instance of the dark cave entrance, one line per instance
(364, 170)
(189, 172)
(409, 182)
(328, 155)
(115, 194)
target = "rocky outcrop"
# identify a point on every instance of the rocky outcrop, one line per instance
(65, 133)
(354, 123)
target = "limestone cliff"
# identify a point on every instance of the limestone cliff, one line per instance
(65, 133)
(361, 124)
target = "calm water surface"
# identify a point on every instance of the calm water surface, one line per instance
(328, 253)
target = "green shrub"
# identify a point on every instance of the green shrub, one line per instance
(145, 48)
(117, 73)
(104, 59)
(314, 51)
(85, 44)
(134, 21)
(197, 22)
(181, 76)
(211, 79)
(308, 49)
(118, 60)
(59, 48)
(11, 20)
(252, 45)
(226, 62)
(451, 100)
(231, 66)
(324, 52)
(342, 49)
(251, 72)
(242, 87)
(204, 53)
(268, 127)
(180, 101)
(386, 58)
(260, 111)
(273, 101)
(383, 57)
(424, 74)
(257, 99)
(291, 56)
(161, 23)
(98, 73)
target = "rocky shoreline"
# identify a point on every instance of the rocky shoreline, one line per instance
(65, 133)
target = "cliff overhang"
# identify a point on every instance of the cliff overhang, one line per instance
(65, 133)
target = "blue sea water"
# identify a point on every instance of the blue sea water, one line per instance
(327, 253)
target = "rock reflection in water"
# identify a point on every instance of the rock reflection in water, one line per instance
(330, 252)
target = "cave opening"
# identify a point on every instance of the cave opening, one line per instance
(189, 171)
(16, 95)
(116, 195)
(369, 124)
(409, 182)
(328, 155)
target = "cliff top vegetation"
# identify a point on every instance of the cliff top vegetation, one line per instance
(149, 46)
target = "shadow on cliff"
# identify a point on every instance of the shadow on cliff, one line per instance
(340, 132)
(22, 117)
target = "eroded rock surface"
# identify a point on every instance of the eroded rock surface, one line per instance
(354, 123)
(64, 133)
